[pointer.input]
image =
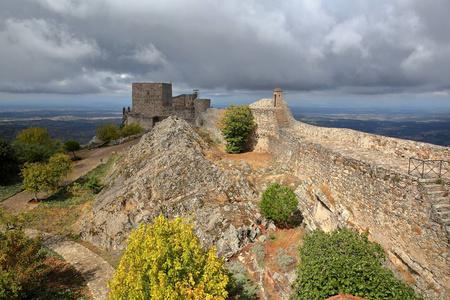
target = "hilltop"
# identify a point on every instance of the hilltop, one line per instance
(343, 178)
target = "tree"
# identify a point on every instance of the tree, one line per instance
(237, 123)
(345, 261)
(278, 202)
(8, 161)
(34, 135)
(34, 144)
(166, 261)
(71, 146)
(107, 132)
(41, 176)
(130, 129)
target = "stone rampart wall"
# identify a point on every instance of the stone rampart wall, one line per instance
(209, 121)
(182, 112)
(144, 122)
(337, 191)
(340, 190)
(184, 100)
(201, 105)
(391, 146)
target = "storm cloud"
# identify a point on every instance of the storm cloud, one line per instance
(350, 46)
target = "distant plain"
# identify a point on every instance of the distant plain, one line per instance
(430, 126)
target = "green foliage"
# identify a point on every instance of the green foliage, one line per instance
(34, 135)
(21, 264)
(241, 286)
(71, 146)
(9, 162)
(278, 202)
(41, 176)
(35, 144)
(237, 123)
(166, 261)
(107, 132)
(345, 261)
(130, 129)
(33, 152)
(94, 184)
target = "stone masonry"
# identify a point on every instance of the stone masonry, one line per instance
(153, 102)
(360, 180)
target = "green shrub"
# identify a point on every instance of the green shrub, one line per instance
(237, 123)
(130, 129)
(278, 202)
(107, 132)
(94, 184)
(22, 265)
(347, 262)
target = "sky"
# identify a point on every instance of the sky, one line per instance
(342, 52)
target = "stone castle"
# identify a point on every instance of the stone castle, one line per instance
(153, 102)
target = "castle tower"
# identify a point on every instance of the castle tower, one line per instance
(277, 97)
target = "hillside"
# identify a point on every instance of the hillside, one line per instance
(169, 171)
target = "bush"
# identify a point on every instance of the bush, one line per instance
(130, 129)
(94, 184)
(237, 123)
(107, 132)
(347, 262)
(166, 261)
(34, 144)
(22, 265)
(278, 203)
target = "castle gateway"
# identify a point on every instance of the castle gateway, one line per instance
(153, 102)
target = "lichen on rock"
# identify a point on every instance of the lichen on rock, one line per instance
(168, 172)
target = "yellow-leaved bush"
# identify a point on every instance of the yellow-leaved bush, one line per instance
(166, 261)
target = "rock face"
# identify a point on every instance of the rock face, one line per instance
(169, 172)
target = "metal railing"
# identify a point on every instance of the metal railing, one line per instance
(428, 168)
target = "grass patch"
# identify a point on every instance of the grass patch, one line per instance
(60, 211)
(7, 191)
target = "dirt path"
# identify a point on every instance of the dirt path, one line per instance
(92, 267)
(90, 159)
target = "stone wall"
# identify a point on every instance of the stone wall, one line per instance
(391, 146)
(337, 191)
(350, 178)
(184, 100)
(201, 105)
(148, 99)
(153, 102)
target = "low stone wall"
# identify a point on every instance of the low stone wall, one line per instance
(391, 146)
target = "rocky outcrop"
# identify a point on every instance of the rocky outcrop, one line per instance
(169, 172)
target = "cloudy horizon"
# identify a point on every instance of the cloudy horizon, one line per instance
(396, 50)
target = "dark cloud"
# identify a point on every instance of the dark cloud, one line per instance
(367, 47)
